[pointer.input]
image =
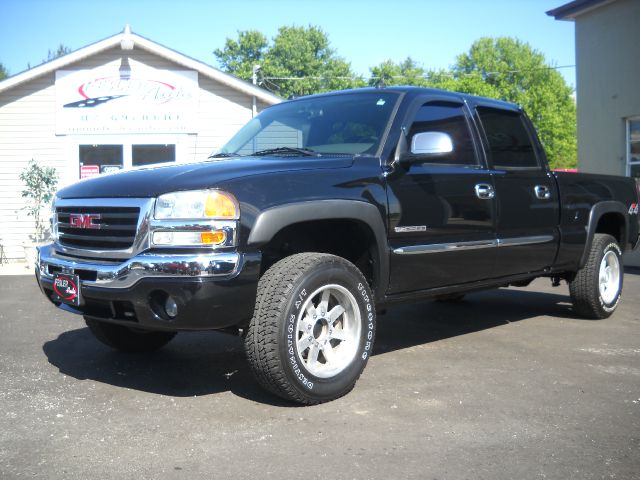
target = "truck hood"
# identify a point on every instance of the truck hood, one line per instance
(151, 182)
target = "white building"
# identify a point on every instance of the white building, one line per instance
(607, 73)
(121, 102)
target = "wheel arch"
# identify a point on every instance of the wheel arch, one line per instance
(272, 221)
(607, 217)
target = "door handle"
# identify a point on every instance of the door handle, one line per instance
(484, 191)
(542, 192)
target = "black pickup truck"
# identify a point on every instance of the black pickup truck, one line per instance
(320, 212)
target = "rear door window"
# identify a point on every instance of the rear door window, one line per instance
(510, 145)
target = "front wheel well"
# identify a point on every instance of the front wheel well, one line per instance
(350, 239)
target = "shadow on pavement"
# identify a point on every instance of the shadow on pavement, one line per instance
(416, 324)
(205, 363)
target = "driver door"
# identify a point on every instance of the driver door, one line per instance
(444, 233)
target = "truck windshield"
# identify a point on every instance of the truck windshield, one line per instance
(349, 123)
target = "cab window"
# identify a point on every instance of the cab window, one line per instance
(448, 118)
(510, 145)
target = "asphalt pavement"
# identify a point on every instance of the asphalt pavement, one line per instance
(507, 384)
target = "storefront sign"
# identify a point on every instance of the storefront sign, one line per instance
(141, 101)
(87, 171)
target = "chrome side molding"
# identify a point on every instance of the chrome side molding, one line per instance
(459, 246)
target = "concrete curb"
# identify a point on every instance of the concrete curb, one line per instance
(16, 268)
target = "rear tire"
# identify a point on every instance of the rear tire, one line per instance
(313, 328)
(127, 340)
(597, 287)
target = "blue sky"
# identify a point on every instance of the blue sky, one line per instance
(364, 32)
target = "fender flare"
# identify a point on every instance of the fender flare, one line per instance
(269, 222)
(597, 211)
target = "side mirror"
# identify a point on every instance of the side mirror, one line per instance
(431, 143)
(425, 146)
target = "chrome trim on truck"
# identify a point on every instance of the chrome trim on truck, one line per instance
(451, 247)
(144, 265)
(145, 228)
(142, 238)
(444, 247)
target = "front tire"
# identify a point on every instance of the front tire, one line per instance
(313, 328)
(127, 340)
(597, 287)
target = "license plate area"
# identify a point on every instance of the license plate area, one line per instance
(66, 289)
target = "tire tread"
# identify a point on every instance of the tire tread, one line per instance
(582, 289)
(262, 338)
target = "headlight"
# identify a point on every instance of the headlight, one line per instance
(197, 204)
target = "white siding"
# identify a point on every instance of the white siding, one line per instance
(222, 112)
(27, 125)
(27, 130)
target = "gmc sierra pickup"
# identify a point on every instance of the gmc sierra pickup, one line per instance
(323, 210)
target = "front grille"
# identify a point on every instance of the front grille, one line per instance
(110, 228)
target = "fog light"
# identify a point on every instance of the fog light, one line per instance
(170, 307)
(177, 238)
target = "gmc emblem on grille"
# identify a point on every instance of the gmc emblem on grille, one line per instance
(84, 220)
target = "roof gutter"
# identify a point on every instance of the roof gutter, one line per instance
(571, 10)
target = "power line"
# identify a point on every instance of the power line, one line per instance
(425, 76)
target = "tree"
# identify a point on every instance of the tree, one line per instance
(61, 51)
(239, 57)
(4, 73)
(298, 61)
(512, 70)
(39, 187)
(407, 72)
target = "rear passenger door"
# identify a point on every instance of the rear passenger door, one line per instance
(526, 192)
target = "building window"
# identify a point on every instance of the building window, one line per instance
(96, 159)
(149, 154)
(633, 147)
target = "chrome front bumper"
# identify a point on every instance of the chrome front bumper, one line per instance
(108, 274)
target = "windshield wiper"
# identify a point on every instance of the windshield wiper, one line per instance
(224, 155)
(307, 152)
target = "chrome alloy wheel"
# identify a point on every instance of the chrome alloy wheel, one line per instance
(609, 277)
(328, 330)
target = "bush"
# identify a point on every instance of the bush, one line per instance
(40, 187)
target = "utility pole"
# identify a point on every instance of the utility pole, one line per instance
(254, 80)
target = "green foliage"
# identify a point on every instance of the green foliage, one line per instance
(511, 70)
(407, 72)
(61, 51)
(472, 84)
(301, 60)
(40, 187)
(239, 56)
(504, 68)
(4, 73)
